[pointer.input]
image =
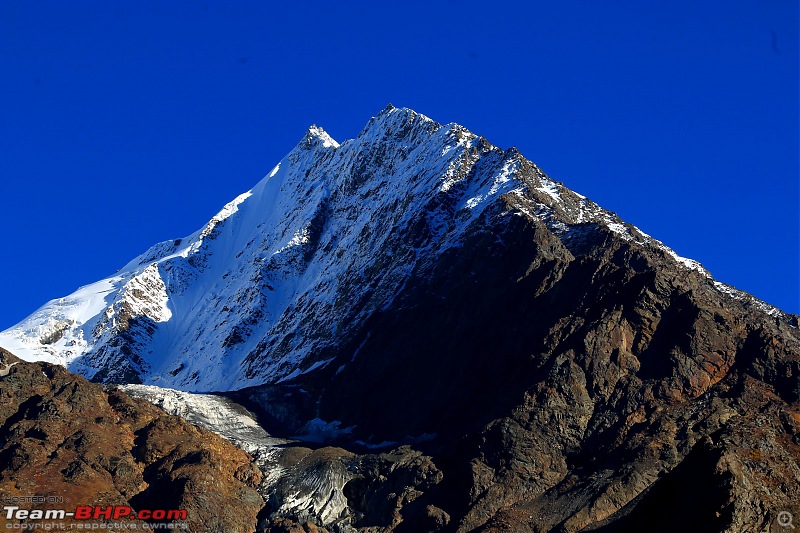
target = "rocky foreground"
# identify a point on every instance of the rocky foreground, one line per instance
(72, 442)
(63, 437)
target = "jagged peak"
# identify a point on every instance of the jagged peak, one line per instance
(404, 113)
(398, 123)
(316, 137)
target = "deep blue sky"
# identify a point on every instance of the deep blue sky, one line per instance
(127, 123)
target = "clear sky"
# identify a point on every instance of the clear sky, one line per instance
(123, 124)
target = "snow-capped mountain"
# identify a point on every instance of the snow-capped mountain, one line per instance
(484, 348)
(300, 263)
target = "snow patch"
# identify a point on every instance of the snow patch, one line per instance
(748, 299)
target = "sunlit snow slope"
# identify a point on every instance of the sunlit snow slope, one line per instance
(328, 238)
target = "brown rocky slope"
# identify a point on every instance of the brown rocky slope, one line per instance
(62, 437)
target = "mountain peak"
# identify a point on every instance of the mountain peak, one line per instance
(398, 124)
(316, 137)
(319, 246)
(418, 286)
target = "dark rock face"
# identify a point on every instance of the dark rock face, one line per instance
(572, 384)
(62, 436)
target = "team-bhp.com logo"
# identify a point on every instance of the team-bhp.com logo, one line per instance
(92, 512)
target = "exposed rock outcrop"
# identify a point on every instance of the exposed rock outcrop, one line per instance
(63, 437)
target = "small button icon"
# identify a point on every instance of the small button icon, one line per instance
(785, 519)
